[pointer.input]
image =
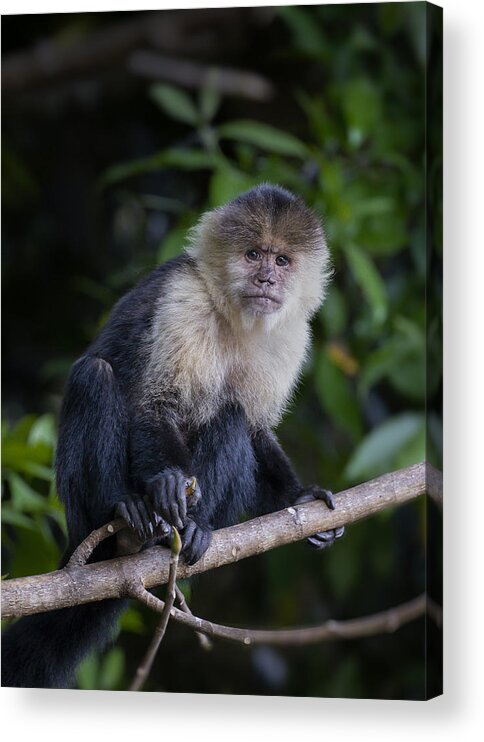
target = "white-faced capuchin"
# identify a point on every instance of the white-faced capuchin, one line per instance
(188, 377)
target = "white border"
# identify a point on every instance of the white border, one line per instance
(74, 715)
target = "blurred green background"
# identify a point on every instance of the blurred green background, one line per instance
(111, 150)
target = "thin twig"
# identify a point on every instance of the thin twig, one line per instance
(179, 71)
(378, 623)
(146, 664)
(80, 556)
(205, 642)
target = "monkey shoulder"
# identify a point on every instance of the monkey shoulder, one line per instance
(123, 339)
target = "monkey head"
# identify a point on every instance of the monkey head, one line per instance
(262, 256)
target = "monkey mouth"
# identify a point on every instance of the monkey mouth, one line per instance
(262, 303)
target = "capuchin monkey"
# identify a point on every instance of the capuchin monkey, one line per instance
(188, 377)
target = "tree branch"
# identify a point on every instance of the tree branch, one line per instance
(378, 623)
(197, 31)
(75, 585)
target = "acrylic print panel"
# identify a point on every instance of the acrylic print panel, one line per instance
(119, 132)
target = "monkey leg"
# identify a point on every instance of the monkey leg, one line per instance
(322, 539)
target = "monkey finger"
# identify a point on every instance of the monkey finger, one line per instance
(160, 526)
(146, 520)
(325, 538)
(173, 501)
(136, 519)
(159, 492)
(196, 541)
(121, 511)
(324, 495)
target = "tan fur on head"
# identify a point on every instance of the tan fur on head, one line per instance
(204, 351)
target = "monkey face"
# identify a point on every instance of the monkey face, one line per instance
(265, 275)
(263, 254)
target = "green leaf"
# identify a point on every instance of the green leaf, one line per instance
(334, 312)
(370, 281)
(21, 430)
(384, 234)
(35, 552)
(112, 669)
(361, 104)
(13, 518)
(210, 97)
(24, 498)
(379, 450)
(19, 456)
(132, 621)
(174, 243)
(337, 396)
(87, 673)
(36, 470)
(414, 450)
(175, 103)
(43, 431)
(226, 183)
(307, 34)
(177, 158)
(265, 137)
(401, 360)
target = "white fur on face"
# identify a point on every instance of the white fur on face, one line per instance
(200, 363)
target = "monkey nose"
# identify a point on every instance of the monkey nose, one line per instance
(261, 279)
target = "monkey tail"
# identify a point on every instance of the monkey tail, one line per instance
(43, 651)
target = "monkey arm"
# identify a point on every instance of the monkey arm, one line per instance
(155, 444)
(160, 467)
(279, 486)
(277, 483)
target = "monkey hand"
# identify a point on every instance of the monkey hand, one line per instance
(171, 495)
(324, 538)
(146, 523)
(195, 540)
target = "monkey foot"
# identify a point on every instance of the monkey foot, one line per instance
(323, 539)
(195, 540)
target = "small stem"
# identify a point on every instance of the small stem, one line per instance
(205, 642)
(146, 664)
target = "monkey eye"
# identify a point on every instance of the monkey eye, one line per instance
(252, 255)
(282, 260)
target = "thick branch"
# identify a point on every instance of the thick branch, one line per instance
(111, 579)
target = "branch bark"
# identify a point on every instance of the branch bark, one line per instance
(75, 584)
